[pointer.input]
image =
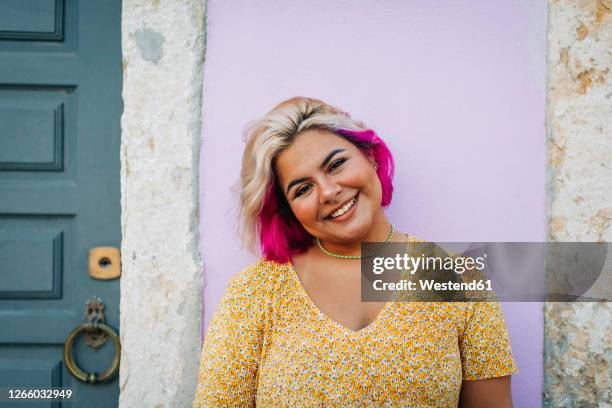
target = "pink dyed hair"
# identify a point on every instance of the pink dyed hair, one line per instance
(282, 235)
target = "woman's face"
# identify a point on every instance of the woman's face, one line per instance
(331, 186)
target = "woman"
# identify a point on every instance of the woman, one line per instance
(291, 329)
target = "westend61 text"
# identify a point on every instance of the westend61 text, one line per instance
(456, 264)
(432, 285)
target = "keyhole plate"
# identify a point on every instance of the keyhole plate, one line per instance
(104, 263)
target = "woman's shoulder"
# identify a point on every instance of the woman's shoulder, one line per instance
(260, 277)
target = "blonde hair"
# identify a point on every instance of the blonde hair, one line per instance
(266, 138)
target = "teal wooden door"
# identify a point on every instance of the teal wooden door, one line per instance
(60, 108)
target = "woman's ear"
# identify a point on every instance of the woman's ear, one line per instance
(372, 160)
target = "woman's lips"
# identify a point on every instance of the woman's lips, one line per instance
(347, 214)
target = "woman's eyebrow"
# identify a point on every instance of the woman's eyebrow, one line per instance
(323, 164)
(296, 181)
(329, 157)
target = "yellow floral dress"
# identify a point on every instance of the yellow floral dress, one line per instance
(269, 345)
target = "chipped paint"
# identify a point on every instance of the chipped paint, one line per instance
(603, 8)
(581, 32)
(150, 43)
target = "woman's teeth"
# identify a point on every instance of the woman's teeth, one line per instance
(344, 209)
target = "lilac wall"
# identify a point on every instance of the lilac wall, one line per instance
(457, 88)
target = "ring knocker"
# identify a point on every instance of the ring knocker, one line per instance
(96, 332)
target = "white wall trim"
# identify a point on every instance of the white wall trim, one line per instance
(163, 54)
(576, 359)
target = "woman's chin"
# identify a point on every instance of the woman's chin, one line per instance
(351, 232)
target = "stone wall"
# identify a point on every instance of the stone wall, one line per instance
(163, 58)
(578, 336)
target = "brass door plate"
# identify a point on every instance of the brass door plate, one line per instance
(104, 263)
(94, 312)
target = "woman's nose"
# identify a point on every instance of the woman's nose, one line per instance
(329, 191)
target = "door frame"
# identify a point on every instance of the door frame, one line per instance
(161, 283)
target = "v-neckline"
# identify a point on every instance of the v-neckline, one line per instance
(322, 316)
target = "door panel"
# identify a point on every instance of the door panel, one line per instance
(60, 109)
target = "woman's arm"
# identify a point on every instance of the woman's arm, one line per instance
(486, 357)
(232, 345)
(487, 393)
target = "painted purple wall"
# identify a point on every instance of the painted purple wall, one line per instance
(456, 88)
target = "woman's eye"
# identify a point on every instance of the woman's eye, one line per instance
(336, 164)
(302, 190)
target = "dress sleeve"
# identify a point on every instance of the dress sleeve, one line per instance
(232, 345)
(485, 344)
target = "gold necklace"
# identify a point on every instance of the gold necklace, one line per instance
(326, 252)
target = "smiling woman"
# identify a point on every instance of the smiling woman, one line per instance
(331, 187)
(292, 329)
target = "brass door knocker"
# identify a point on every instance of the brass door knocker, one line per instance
(96, 332)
